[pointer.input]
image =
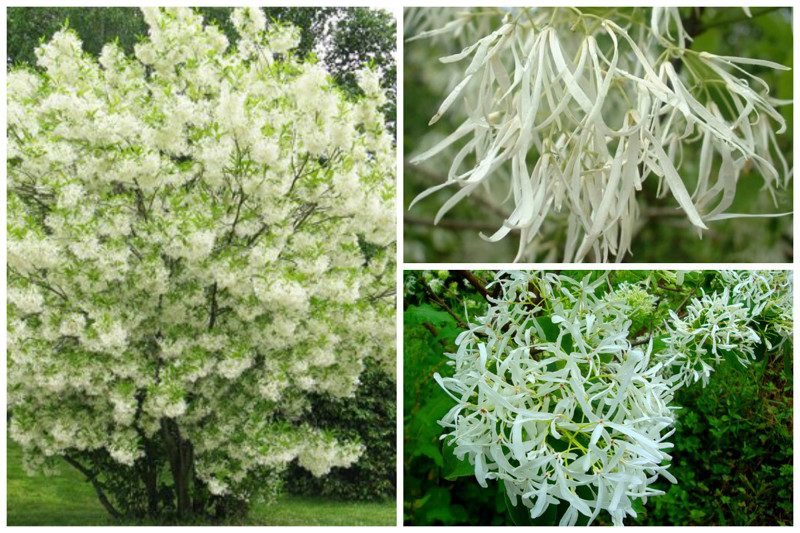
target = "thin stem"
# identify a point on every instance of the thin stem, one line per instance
(742, 18)
(461, 324)
(452, 224)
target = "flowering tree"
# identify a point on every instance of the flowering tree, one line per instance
(564, 118)
(199, 237)
(563, 387)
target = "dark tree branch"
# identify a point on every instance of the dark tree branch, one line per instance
(236, 218)
(452, 224)
(140, 207)
(734, 20)
(257, 234)
(383, 294)
(98, 487)
(680, 307)
(298, 174)
(59, 292)
(309, 210)
(473, 280)
(444, 306)
(212, 319)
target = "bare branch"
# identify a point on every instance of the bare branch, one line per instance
(444, 306)
(452, 224)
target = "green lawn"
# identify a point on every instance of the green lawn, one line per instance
(67, 500)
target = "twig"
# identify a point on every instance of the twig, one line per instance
(437, 179)
(677, 311)
(430, 328)
(473, 280)
(742, 18)
(440, 302)
(452, 224)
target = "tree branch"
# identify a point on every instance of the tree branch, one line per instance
(437, 179)
(140, 207)
(473, 280)
(309, 210)
(257, 234)
(212, 319)
(98, 487)
(297, 175)
(452, 224)
(678, 309)
(741, 18)
(443, 305)
(236, 218)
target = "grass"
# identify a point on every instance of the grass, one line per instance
(68, 500)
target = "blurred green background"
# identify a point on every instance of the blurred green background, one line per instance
(665, 236)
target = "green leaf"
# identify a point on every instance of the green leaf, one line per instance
(427, 449)
(425, 313)
(733, 361)
(520, 515)
(453, 467)
(787, 361)
(550, 329)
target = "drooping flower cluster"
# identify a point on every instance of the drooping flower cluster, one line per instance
(197, 235)
(556, 398)
(570, 115)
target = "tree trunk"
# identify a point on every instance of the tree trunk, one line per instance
(150, 479)
(181, 461)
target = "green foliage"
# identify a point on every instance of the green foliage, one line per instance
(371, 415)
(438, 488)
(27, 26)
(733, 452)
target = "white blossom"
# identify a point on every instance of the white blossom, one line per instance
(552, 394)
(570, 115)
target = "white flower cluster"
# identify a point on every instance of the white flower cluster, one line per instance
(186, 236)
(319, 458)
(555, 398)
(764, 293)
(713, 324)
(722, 323)
(570, 114)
